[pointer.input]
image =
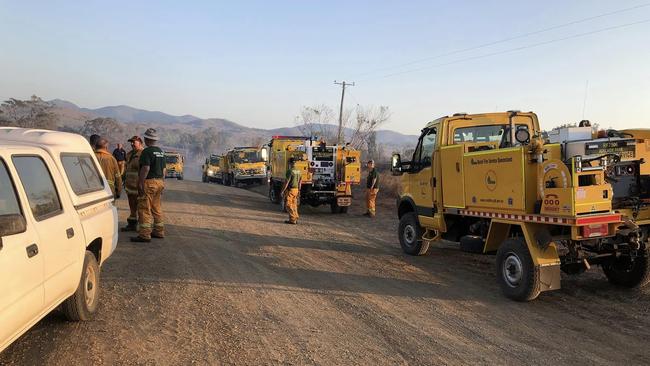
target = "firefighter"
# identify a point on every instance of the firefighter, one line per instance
(109, 166)
(93, 140)
(372, 188)
(292, 190)
(150, 187)
(131, 174)
(120, 156)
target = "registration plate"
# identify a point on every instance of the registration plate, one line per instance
(344, 201)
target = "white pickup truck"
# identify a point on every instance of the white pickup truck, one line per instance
(58, 226)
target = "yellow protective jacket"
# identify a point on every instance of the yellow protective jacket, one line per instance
(111, 170)
(132, 171)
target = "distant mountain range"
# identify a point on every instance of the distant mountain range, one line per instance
(73, 115)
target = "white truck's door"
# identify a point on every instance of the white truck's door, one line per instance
(57, 225)
(21, 265)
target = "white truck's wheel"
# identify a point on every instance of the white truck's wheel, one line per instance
(82, 305)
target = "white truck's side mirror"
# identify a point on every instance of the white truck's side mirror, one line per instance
(11, 225)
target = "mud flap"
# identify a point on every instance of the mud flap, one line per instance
(549, 277)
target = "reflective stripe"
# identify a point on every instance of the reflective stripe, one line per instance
(145, 226)
(159, 224)
(131, 192)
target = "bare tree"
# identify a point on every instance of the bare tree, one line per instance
(317, 121)
(364, 128)
(31, 113)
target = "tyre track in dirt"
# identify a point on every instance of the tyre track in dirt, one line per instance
(232, 284)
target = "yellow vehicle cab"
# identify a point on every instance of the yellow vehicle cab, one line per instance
(212, 169)
(243, 166)
(175, 162)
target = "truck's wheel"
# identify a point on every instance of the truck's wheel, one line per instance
(180, 177)
(625, 273)
(336, 209)
(472, 244)
(283, 204)
(274, 194)
(410, 235)
(516, 271)
(204, 179)
(83, 303)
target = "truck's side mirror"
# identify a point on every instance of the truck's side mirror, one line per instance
(396, 164)
(11, 225)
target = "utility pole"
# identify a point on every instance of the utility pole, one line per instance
(343, 85)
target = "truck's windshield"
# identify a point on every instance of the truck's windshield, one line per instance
(490, 133)
(171, 159)
(323, 154)
(246, 157)
(214, 160)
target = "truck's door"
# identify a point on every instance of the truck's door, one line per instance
(56, 222)
(21, 265)
(421, 178)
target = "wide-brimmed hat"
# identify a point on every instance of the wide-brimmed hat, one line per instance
(151, 134)
(135, 138)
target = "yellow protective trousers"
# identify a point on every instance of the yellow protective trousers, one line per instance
(371, 199)
(150, 215)
(291, 204)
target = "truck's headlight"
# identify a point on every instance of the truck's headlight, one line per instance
(210, 172)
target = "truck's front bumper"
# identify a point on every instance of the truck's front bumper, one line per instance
(242, 177)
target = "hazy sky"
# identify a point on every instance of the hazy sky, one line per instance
(258, 62)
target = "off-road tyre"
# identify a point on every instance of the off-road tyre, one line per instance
(204, 179)
(516, 273)
(336, 209)
(180, 177)
(410, 235)
(472, 244)
(82, 305)
(624, 273)
(274, 194)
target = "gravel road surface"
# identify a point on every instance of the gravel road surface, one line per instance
(232, 284)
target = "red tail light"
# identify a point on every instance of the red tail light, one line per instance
(590, 231)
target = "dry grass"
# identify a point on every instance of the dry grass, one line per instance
(389, 184)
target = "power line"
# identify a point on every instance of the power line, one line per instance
(578, 35)
(508, 39)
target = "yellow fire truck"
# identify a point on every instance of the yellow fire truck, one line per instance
(175, 162)
(243, 165)
(212, 169)
(493, 183)
(329, 171)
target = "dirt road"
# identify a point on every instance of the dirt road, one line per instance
(232, 284)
